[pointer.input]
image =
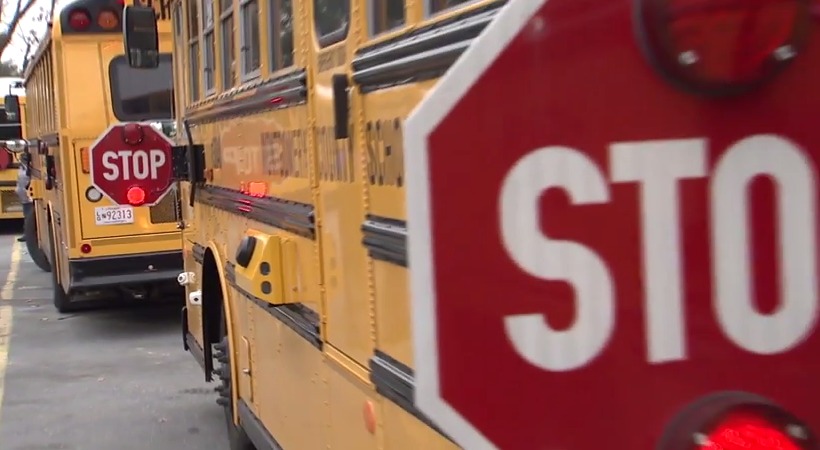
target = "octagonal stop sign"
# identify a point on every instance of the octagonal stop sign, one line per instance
(132, 157)
(612, 210)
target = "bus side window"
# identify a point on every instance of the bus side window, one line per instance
(281, 34)
(228, 55)
(208, 46)
(249, 39)
(332, 20)
(386, 15)
(437, 6)
(193, 49)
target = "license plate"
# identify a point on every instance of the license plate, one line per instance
(113, 215)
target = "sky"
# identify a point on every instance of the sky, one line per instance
(16, 49)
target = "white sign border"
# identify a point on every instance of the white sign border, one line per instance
(436, 105)
(103, 135)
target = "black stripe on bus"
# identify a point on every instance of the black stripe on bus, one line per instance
(277, 93)
(421, 54)
(294, 217)
(301, 319)
(199, 253)
(395, 381)
(385, 239)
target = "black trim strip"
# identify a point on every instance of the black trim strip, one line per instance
(255, 429)
(386, 239)
(284, 214)
(199, 253)
(394, 380)
(290, 88)
(8, 183)
(422, 54)
(301, 319)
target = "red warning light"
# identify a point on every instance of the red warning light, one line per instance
(722, 46)
(135, 195)
(747, 432)
(85, 248)
(79, 20)
(133, 133)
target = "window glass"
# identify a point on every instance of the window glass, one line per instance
(332, 18)
(281, 40)
(441, 5)
(386, 15)
(250, 37)
(193, 19)
(209, 46)
(193, 60)
(141, 94)
(228, 52)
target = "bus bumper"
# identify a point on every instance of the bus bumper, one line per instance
(126, 270)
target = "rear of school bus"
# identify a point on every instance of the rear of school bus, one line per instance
(10, 128)
(90, 87)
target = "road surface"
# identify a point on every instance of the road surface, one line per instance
(97, 380)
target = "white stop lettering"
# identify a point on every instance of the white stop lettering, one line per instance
(139, 164)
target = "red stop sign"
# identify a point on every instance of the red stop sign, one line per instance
(129, 156)
(595, 246)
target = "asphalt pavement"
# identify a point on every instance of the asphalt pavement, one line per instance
(109, 378)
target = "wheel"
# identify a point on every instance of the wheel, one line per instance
(237, 438)
(32, 243)
(62, 301)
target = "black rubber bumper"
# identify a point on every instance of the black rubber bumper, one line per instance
(145, 268)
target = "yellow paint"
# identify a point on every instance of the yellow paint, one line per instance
(307, 397)
(6, 317)
(71, 102)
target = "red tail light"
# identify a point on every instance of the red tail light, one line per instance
(136, 195)
(85, 248)
(723, 46)
(108, 20)
(79, 19)
(747, 432)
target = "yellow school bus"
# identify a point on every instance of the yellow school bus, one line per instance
(79, 84)
(10, 128)
(294, 238)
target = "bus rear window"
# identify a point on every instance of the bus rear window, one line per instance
(9, 129)
(142, 94)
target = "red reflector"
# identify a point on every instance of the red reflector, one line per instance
(136, 195)
(747, 432)
(720, 45)
(85, 248)
(79, 19)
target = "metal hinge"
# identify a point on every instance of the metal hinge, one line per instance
(188, 163)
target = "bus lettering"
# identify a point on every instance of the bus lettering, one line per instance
(139, 164)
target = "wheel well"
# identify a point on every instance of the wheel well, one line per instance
(211, 300)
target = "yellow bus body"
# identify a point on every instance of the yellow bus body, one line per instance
(10, 205)
(294, 247)
(74, 85)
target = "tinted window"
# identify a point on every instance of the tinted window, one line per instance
(9, 129)
(139, 94)
(332, 18)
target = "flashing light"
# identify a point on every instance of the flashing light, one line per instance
(108, 20)
(79, 19)
(133, 133)
(747, 432)
(135, 195)
(723, 46)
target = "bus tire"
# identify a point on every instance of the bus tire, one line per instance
(32, 243)
(237, 438)
(62, 301)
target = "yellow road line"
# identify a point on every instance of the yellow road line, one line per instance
(6, 316)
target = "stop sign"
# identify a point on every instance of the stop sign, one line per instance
(132, 155)
(595, 247)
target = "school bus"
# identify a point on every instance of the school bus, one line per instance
(294, 235)
(10, 128)
(79, 84)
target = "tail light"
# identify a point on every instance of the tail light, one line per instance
(79, 19)
(736, 421)
(719, 47)
(135, 195)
